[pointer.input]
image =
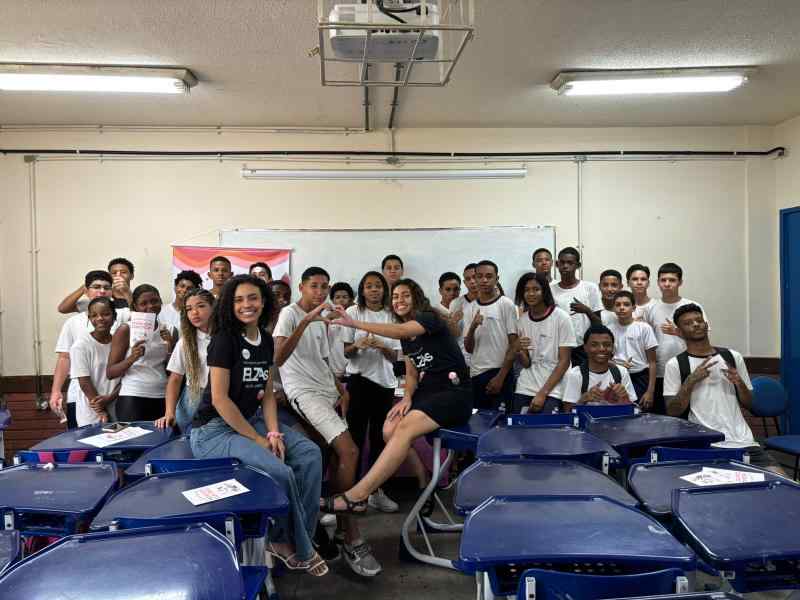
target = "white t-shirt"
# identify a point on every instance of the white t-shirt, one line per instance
(574, 380)
(147, 377)
(639, 312)
(370, 362)
(668, 345)
(73, 329)
(462, 304)
(171, 316)
(89, 358)
(491, 337)
(586, 292)
(337, 359)
(631, 343)
(608, 317)
(177, 362)
(306, 370)
(547, 335)
(442, 308)
(713, 403)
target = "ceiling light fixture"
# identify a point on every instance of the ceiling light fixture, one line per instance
(382, 174)
(84, 78)
(650, 81)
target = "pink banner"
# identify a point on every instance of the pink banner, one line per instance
(197, 258)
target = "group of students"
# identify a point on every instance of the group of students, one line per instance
(297, 388)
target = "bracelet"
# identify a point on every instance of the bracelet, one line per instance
(274, 434)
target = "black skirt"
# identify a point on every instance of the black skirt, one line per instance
(447, 404)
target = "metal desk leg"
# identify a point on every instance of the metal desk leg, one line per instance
(414, 519)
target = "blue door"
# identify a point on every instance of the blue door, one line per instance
(790, 311)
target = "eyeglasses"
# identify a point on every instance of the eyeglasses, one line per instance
(100, 287)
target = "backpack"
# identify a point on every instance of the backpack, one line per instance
(686, 369)
(584, 366)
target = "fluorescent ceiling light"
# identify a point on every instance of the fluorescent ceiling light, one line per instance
(360, 175)
(650, 81)
(81, 78)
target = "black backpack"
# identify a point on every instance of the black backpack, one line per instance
(615, 375)
(686, 369)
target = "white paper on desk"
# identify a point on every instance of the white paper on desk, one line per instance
(103, 440)
(215, 491)
(711, 476)
(142, 326)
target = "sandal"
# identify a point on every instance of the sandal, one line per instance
(290, 561)
(328, 505)
(316, 566)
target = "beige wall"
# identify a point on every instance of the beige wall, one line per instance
(716, 218)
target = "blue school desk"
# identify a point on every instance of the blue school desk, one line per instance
(9, 548)
(192, 562)
(55, 499)
(175, 455)
(633, 435)
(653, 483)
(557, 442)
(453, 439)
(541, 584)
(749, 532)
(484, 479)
(123, 452)
(504, 536)
(158, 500)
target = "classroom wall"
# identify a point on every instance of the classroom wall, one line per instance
(711, 216)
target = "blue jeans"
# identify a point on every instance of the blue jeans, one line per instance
(300, 476)
(186, 408)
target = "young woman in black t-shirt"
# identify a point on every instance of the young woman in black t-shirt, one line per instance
(437, 392)
(228, 421)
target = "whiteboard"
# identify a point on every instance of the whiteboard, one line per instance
(426, 253)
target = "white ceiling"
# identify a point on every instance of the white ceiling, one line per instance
(251, 59)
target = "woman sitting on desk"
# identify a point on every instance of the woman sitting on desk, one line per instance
(437, 391)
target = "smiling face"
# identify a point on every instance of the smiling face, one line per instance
(101, 317)
(247, 304)
(392, 271)
(599, 348)
(449, 291)
(402, 301)
(148, 302)
(314, 290)
(198, 311)
(610, 285)
(261, 273)
(533, 294)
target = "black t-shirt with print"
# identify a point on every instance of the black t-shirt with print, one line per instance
(436, 352)
(249, 371)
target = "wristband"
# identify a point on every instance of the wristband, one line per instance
(274, 434)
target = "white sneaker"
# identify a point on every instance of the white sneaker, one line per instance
(327, 520)
(380, 501)
(360, 558)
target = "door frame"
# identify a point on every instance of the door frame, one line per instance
(786, 318)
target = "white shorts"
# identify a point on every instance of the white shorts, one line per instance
(318, 411)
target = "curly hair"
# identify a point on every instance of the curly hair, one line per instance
(143, 289)
(191, 356)
(224, 318)
(420, 301)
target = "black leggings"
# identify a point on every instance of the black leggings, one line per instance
(369, 405)
(137, 408)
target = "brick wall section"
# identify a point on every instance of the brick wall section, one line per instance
(28, 425)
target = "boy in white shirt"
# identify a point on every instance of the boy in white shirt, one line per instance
(660, 317)
(713, 384)
(491, 339)
(579, 299)
(121, 271)
(598, 380)
(341, 294)
(610, 283)
(302, 356)
(638, 278)
(98, 284)
(460, 305)
(170, 314)
(634, 348)
(542, 262)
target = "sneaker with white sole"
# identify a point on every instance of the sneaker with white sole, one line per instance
(380, 501)
(360, 558)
